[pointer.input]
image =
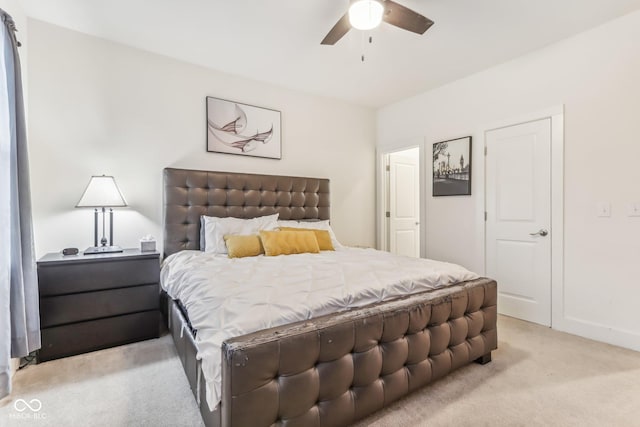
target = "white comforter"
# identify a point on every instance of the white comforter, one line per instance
(231, 297)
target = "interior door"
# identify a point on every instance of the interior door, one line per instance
(518, 219)
(404, 203)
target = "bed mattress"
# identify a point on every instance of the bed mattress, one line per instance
(225, 298)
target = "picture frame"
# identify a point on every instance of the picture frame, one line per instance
(243, 129)
(452, 167)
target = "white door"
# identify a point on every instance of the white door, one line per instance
(404, 203)
(518, 219)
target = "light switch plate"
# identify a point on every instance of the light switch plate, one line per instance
(633, 209)
(604, 209)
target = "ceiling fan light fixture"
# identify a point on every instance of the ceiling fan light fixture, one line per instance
(365, 14)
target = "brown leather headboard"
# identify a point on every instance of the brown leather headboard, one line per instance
(188, 194)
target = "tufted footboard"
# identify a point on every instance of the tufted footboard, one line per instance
(336, 369)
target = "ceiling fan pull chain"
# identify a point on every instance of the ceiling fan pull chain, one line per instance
(363, 44)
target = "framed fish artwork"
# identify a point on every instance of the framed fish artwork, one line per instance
(246, 130)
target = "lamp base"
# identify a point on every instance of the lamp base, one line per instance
(102, 250)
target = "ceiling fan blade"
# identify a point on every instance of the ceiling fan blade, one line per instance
(341, 28)
(405, 18)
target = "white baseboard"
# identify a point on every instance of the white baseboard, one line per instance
(15, 363)
(598, 332)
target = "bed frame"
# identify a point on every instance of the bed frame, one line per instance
(331, 370)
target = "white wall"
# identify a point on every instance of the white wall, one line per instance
(596, 76)
(99, 107)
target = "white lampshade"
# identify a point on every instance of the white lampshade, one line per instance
(365, 14)
(101, 192)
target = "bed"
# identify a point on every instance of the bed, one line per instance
(334, 369)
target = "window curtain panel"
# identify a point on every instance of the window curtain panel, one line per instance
(19, 311)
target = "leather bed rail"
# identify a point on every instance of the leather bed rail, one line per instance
(336, 369)
(188, 194)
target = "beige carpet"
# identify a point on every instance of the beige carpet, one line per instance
(140, 384)
(538, 377)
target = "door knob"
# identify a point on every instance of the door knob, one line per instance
(542, 232)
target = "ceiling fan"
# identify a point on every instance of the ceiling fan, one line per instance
(368, 14)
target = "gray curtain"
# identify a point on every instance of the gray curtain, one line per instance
(19, 311)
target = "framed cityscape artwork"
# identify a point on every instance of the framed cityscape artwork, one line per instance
(452, 167)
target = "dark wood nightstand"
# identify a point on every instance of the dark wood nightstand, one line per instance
(91, 302)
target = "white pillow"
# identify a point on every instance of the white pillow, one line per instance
(216, 228)
(313, 225)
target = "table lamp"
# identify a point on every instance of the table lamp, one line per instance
(102, 192)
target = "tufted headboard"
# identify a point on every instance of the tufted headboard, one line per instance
(188, 194)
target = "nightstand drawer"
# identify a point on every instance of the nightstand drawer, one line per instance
(61, 341)
(57, 279)
(58, 310)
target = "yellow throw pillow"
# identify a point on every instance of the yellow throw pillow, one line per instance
(240, 246)
(289, 242)
(323, 237)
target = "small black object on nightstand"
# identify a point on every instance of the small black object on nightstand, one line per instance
(93, 302)
(70, 251)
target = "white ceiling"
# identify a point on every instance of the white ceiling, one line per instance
(278, 41)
